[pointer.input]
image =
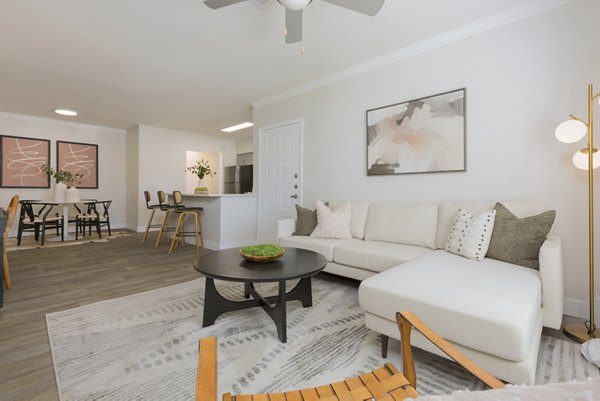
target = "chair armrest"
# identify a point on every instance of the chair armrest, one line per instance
(406, 321)
(206, 379)
(551, 275)
(285, 227)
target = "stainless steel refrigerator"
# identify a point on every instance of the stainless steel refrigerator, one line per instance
(238, 179)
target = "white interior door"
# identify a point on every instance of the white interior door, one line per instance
(280, 181)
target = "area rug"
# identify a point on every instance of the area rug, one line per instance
(29, 242)
(144, 347)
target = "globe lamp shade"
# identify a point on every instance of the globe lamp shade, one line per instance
(294, 5)
(570, 131)
(580, 159)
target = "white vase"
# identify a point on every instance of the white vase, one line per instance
(72, 195)
(201, 183)
(59, 192)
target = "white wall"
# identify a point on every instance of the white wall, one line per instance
(522, 80)
(244, 145)
(132, 174)
(111, 159)
(162, 163)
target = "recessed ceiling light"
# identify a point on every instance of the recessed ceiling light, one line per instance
(237, 127)
(65, 112)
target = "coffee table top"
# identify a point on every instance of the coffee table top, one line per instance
(229, 265)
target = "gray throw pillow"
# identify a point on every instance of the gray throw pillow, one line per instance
(518, 241)
(306, 220)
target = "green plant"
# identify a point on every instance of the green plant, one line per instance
(262, 250)
(201, 169)
(62, 175)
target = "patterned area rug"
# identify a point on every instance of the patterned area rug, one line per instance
(144, 347)
(29, 242)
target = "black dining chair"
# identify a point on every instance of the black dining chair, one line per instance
(86, 217)
(37, 217)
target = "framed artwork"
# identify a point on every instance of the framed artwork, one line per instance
(419, 136)
(21, 162)
(79, 158)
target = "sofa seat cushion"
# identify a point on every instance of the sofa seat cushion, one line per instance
(490, 306)
(376, 256)
(321, 245)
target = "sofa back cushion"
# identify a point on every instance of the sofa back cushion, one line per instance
(359, 217)
(447, 210)
(403, 223)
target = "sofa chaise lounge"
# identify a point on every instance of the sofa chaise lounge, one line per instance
(492, 311)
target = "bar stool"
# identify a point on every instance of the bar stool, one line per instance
(153, 208)
(183, 212)
(165, 207)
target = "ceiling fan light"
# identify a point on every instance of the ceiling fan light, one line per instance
(294, 5)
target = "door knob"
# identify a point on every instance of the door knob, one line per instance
(295, 196)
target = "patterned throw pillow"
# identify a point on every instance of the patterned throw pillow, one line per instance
(470, 234)
(518, 241)
(333, 223)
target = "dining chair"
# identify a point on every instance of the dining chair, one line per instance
(386, 383)
(154, 208)
(11, 212)
(103, 216)
(180, 233)
(86, 218)
(37, 217)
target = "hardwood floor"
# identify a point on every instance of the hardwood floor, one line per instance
(55, 279)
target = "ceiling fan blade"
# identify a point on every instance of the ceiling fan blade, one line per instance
(369, 7)
(214, 4)
(293, 26)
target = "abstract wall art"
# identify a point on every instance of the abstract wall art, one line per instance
(22, 160)
(418, 136)
(79, 158)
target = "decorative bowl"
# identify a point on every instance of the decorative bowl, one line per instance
(262, 253)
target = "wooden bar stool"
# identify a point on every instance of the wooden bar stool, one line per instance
(153, 208)
(165, 207)
(180, 233)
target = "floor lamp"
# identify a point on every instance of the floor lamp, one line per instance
(571, 131)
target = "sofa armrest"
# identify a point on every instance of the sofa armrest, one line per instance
(551, 274)
(285, 227)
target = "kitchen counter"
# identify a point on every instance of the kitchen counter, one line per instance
(228, 220)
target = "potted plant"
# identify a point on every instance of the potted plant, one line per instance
(201, 169)
(64, 179)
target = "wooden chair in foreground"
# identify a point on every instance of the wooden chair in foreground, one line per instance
(385, 383)
(11, 212)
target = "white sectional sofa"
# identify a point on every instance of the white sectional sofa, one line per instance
(491, 310)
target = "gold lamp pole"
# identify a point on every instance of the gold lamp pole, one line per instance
(572, 131)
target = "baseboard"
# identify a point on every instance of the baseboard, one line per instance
(578, 308)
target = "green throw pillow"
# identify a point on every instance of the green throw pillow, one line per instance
(518, 241)
(306, 220)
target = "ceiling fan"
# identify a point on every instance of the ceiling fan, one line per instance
(293, 12)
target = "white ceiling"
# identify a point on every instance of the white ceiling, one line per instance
(178, 64)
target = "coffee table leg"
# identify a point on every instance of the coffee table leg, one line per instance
(211, 299)
(302, 292)
(247, 290)
(279, 315)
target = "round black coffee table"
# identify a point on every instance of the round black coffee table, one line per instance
(228, 265)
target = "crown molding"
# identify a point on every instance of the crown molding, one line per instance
(523, 11)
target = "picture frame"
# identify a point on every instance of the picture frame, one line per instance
(21, 161)
(78, 157)
(425, 135)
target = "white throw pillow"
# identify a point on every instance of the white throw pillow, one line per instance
(470, 234)
(333, 223)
